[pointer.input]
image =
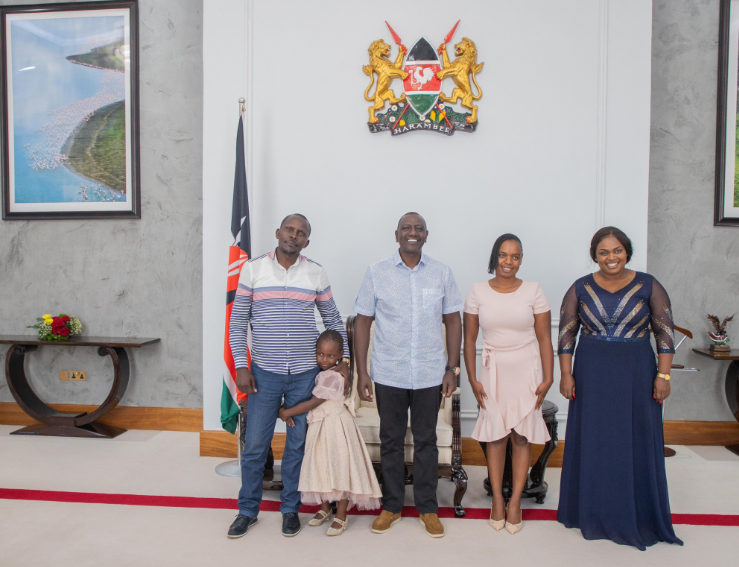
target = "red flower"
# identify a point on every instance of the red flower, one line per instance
(56, 322)
(63, 332)
(65, 318)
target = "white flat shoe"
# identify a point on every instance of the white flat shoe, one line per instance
(318, 521)
(332, 531)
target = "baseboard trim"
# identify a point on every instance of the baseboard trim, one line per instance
(472, 453)
(218, 444)
(127, 417)
(701, 432)
(717, 433)
(225, 445)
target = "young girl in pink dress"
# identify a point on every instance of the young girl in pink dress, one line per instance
(336, 466)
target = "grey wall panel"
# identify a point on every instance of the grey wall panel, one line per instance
(697, 262)
(128, 277)
(144, 277)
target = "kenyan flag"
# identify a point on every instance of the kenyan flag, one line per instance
(422, 87)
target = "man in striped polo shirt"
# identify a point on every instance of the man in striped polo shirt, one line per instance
(277, 295)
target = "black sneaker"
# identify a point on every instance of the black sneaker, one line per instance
(290, 524)
(240, 526)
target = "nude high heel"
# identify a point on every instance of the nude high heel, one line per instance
(497, 525)
(514, 528)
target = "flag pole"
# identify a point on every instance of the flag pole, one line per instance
(233, 467)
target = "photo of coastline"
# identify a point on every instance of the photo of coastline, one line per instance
(67, 111)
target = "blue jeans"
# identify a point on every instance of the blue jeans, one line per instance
(261, 417)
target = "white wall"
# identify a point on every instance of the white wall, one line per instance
(562, 147)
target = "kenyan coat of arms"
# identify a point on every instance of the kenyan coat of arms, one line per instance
(422, 105)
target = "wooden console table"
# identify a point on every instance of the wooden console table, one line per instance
(66, 424)
(732, 381)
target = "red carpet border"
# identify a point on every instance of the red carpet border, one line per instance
(529, 514)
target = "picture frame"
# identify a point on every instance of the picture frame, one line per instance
(70, 111)
(726, 197)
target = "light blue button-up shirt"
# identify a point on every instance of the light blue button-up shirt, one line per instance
(408, 346)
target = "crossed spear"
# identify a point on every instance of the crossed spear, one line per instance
(400, 45)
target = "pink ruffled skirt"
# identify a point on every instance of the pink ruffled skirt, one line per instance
(510, 377)
(336, 465)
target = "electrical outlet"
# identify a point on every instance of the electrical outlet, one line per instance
(77, 376)
(63, 375)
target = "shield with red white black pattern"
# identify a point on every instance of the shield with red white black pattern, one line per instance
(422, 87)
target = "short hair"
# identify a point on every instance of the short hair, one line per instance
(298, 215)
(412, 213)
(617, 234)
(493, 263)
(333, 336)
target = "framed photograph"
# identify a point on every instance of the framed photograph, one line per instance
(70, 110)
(726, 200)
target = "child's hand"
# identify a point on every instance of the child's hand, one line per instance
(288, 420)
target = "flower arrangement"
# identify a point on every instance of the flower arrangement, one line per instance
(57, 328)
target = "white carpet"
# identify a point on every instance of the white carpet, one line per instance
(703, 480)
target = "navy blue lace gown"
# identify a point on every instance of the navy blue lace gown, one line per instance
(614, 484)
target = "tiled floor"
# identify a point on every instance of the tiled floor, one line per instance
(703, 480)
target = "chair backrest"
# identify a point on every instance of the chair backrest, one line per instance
(350, 333)
(686, 335)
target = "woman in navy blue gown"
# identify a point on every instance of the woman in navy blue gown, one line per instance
(614, 484)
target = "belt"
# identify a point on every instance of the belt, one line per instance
(489, 360)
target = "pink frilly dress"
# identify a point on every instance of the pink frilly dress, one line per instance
(511, 362)
(336, 465)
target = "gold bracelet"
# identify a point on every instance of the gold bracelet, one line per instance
(665, 376)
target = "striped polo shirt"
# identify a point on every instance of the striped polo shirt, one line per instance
(280, 306)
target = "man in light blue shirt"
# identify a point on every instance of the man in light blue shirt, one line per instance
(408, 296)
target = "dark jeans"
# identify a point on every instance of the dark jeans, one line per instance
(261, 417)
(392, 405)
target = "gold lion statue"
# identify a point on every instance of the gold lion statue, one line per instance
(386, 70)
(464, 65)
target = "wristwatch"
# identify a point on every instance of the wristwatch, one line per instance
(665, 376)
(454, 369)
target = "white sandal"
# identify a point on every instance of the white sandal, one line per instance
(318, 521)
(338, 531)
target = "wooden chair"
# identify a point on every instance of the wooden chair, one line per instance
(448, 430)
(680, 368)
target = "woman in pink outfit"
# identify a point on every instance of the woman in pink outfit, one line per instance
(516, 373)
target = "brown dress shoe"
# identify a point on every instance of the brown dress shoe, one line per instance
(433, 525)
(385, 521)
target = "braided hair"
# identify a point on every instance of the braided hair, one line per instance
(333, 336)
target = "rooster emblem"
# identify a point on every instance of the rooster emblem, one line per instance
(421, 76)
